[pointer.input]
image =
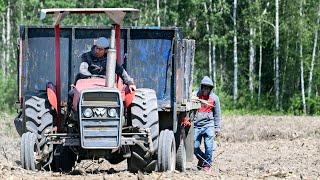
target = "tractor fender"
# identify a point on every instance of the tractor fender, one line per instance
(128, 97)
(52, 96)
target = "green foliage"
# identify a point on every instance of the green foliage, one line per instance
(8, 93)
(190, 16)
(314, 105)
(313, 102)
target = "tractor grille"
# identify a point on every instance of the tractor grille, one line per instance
(100, 129)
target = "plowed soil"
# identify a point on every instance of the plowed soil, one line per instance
(252, 147)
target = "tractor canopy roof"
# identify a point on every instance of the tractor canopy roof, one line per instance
(116, 14)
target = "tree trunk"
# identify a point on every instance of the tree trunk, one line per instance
(276, 83)
(12, 47)
(284, 74)
(8, 41)
(176, 20)
(165, 12)
(235, 53)
(260, 60)
(214, 65)
(302, 81)
(301, 63)
(313, 54)
(21, 10)
(209, 59)
(221, 66)
(213, 53)
(158, 13)
(3, 36)
(223, 61)
(209, 40)
(251, 62)
(260, 48)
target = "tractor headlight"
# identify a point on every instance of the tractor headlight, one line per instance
(112, 112)
(88, 113)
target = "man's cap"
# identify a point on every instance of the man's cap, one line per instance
(102, 42)
(207, 81)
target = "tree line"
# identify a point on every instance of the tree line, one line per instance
(263, 55)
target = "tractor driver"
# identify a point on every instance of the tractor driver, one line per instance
(94, 63)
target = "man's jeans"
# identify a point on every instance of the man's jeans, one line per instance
(207, 133)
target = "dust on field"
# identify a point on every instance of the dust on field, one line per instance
(251, 147)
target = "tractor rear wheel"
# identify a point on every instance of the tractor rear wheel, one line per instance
(38, 122)
(144, 114)
(167, 151)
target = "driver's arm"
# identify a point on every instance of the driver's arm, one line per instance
(83, 69)
(124, 75)
(84, 66)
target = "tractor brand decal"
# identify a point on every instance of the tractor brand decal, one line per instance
(100, 111)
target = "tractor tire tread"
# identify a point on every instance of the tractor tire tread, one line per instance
(144, 115)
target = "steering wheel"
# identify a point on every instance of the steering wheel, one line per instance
(98, 76)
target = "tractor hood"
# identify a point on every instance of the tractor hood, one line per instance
(84, 84)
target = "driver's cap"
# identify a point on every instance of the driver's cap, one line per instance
(102, 42)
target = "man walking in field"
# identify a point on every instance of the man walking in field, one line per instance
(207, 124)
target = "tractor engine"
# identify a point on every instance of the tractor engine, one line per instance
(98, 111)
(100, 118)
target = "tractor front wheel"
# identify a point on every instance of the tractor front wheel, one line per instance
(29, 151)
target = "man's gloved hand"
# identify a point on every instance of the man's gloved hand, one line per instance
(185, 122)
(96, 68)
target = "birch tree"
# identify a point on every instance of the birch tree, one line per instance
(261, 15)
(260, 59)
(251, 61)
(315, 40)
(3, 36)
(251, 23)
(213, 53)
(276, 62)
(165, 10)
(8, 40)
(209, 40)
(301, 60)
(214, 64)
(158, 13)
(235, 53)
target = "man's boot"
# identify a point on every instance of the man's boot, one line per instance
(200, 164)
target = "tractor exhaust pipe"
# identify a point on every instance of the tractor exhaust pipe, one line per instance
(111, 63)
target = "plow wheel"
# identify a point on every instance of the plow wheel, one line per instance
(38, 121)
(181, 161)
(29, 152)
(144, 113)
(166, 151)
(63, 159)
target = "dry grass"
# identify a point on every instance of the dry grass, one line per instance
(257, 128)
(7, 127)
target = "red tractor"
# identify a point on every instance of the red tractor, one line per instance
(101, 119)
